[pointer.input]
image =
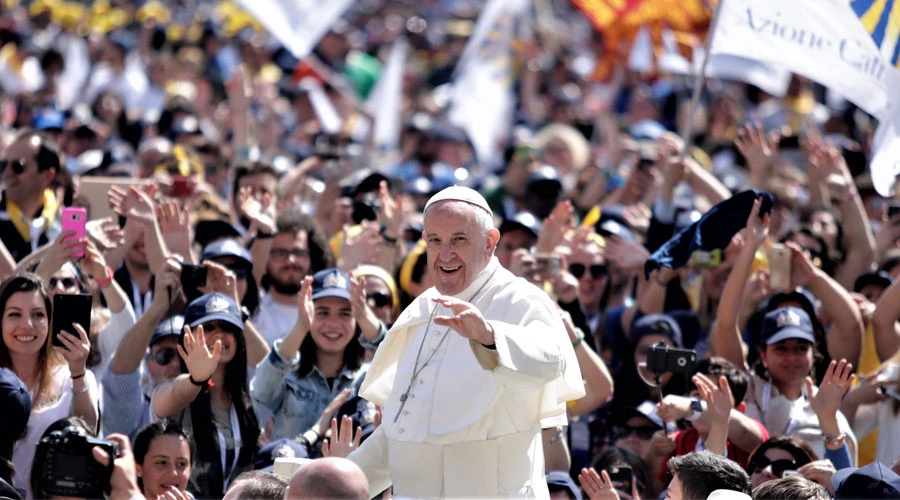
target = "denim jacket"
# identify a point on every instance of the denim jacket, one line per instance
(297, 403)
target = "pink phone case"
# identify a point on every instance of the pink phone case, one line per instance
(74, 219)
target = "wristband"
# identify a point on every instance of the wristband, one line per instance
(206, 384)
(80, 391)
(388, 238)
(109, 277)
(264, 236)
(835, 443)
(578, 340)
(76, 377)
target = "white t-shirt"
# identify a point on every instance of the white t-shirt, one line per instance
(273, 320)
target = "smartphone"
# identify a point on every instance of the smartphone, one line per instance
(182, 187)
(69, 309)
(621, 477)
(547, 265)
(193, 276)
(74, 219)
(893, 209)
(791, 473)
(779, 267)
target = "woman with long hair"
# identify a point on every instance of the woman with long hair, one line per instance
(210, 399)
(781, 393)
(57, 377)
(319, 364)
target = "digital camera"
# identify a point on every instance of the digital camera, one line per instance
(69, 468)
(664, 359)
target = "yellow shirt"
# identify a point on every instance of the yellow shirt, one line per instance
(868, 363)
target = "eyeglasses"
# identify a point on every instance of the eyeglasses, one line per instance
(760, 462)
(644, 432)
(379, 299)
(163, 356)
(281, 254)
(66, 282)
(18, 166)
(597, 270)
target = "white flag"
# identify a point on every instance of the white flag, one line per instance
(386, 98)
(482, 100)
(823, 40)
(297, 24)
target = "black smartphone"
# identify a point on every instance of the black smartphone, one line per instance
(893, 209)
(193, 276)
(621, 477)
(69, 309)
(664, 359)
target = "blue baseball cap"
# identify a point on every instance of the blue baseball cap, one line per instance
(330, 283)
(169, 327)
(524, 221)
(48, 119)
(657, 324)
(787, 323)
(227, 247)
(16, 403)
(213, 306)
(872, 481)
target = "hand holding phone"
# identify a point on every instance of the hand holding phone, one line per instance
(621, 477)
(193, 276)
(74, 219)
(70, 309)
(779, 267)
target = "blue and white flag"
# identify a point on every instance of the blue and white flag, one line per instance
(482, 101)
(297, 24)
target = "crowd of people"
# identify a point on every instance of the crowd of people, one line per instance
(263, 285)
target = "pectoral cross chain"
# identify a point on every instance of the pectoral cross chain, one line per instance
(403, 398)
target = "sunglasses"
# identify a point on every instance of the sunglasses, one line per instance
(778, 466)
(643, 432)
(597, 270)
(18, 166)
(66, 282)
(379, 299)
(164, 356)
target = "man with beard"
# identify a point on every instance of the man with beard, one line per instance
(298, 249)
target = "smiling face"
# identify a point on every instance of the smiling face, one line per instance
(788, 361)
(167, 465)
(219, 330)
(25, 323)
(332, 325)
(458, 247)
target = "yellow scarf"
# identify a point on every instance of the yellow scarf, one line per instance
(23, 225)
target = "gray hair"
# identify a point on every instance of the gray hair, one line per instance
(483, 219)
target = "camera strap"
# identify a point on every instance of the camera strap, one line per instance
(223, 445)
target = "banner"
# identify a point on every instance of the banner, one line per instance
(297, 24)
(482, 100)
(820, 39)
(386, 98)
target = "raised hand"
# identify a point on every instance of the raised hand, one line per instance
(391, 213)
(220, 279)
(362, 247)
(201, 362)
(76, 350)
(94, 262)
(758, 149)
(105, 233)
(175, 225)
(757, 227)
(836, 382)
(554, 227)
(466, 321)
(802, 268)
(819, 471)
(625, 254)
(343, 442)
(332, 407)
(718, 399)
(61, 251)
(599, 486)
(307, 309)
(132, 204)
(260, 210)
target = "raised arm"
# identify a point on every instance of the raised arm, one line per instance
(884, 321)
(845, 336)
(131, 350)
(171, 397)
(727, 331)
(598, 383)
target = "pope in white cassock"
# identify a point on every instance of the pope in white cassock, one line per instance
(470, 372)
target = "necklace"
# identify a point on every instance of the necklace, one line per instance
(418, 370)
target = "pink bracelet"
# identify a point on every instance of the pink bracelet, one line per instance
(108, 280)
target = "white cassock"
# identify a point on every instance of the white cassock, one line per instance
(471, 424)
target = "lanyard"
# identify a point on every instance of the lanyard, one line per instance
(767, 398)
(141, 302)
(236, 433)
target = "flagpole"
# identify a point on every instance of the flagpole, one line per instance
(699, 83)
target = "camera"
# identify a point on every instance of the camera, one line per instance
(366, 208)
(664, 359)
(68, 465)
(193, 275)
